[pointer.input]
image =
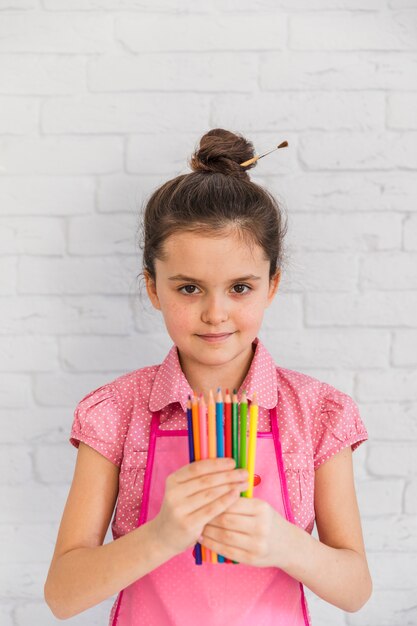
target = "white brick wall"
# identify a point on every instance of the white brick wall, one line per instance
(103, 100)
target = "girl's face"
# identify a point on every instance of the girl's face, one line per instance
(212, 293)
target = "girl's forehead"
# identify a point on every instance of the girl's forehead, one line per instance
(201, 246)
(204, 258)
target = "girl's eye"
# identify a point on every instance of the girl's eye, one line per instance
(241, 285)
(187, 287)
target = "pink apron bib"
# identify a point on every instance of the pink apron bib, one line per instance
(181, 593)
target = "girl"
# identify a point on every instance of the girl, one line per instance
(212, 261)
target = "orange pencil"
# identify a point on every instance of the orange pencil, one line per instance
(212, 449)
(228, 433)
(203, 450)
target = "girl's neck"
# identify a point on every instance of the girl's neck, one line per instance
(230, 376)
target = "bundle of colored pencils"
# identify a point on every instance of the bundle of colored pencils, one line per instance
(220, 430)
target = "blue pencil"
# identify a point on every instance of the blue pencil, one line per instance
(219, 439)
(198, 555)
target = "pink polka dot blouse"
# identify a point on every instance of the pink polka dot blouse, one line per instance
(316, 421)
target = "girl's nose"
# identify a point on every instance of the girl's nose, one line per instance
(214, 311)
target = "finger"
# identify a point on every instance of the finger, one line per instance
(232, 549)
(204, 466)
(201, 510)
(240, 523)
(244, 506)
(236, 478)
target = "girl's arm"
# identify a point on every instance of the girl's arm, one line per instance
(83, 572)
(334, 568)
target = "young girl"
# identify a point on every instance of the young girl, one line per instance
(213, 256)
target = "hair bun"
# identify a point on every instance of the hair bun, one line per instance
(222, 151)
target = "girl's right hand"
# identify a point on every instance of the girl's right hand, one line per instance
(194, 495)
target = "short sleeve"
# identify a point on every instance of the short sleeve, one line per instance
(98, 423)
(337, 424)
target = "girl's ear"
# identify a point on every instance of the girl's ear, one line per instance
(151, 289)
(273, 286)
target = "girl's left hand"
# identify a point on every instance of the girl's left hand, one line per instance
(250, 531)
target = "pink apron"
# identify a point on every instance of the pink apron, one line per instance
(181, 593)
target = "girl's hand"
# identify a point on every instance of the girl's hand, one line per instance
(252, 532)
(195, 494)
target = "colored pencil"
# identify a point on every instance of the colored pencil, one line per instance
(212, 446)
(196, 433)
(235, 432)
(228, 424)
(243, 414)
(219, 423)
(196, 429)
(228, 431)
(203, 447)
(190, 430)
(253, 427)
(235, 427)
(219, 438)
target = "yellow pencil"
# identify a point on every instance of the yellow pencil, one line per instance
(212, 449)
(253, 428)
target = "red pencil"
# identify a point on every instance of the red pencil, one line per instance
(228, 433)
(228, 424)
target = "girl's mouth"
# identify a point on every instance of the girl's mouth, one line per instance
(215, 338)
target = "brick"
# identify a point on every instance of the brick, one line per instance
(361, 151)
(101, 354)
(194, 33)
(404, 347)
(353, 70)
(79, 34)
(165, 158)
(54, 463)
(78, 275)
(8, 274)
(37, 236)
(392, 459)
(352, 191)
(307, 271)
(43, 424)
(358, 232)
(370, 309)
(62, 155)
(410, 233)
(200, 72)
(410, 498)
(300, 111)
(380, 497)
(32, 501)
(349, 348)
(391, 421)
(19, 116)
(389, 271)
(54, 315)
(353, 31)
(15, 389)
(392, 385)
(23, 353)
(392, 570)
(383, 533)
(42, 74)
(102, 234)
(48, 196)
(402, 110)
(125, 113)
(386, 607)
(15, 464)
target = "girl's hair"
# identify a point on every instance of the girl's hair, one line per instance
(216, 198)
